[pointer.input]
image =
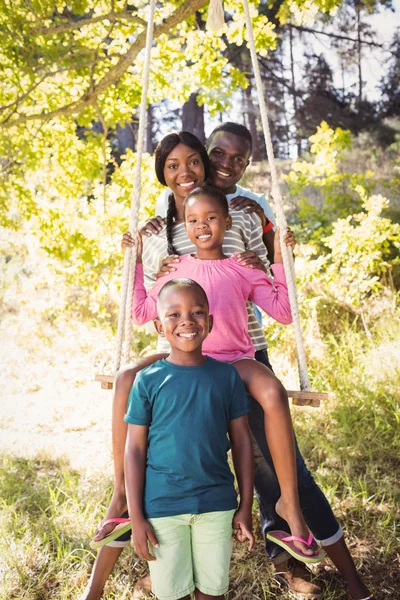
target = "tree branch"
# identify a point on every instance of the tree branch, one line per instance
(334, 35)
(88, 20)
(184, 11)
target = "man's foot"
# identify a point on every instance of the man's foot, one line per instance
(300, 582)
(297, 525)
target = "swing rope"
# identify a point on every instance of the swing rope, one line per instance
(287, 254)
(128, 278)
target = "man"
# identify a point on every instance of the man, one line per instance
(229, 148)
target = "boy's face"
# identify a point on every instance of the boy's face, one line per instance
(229, 155)
(183, 317)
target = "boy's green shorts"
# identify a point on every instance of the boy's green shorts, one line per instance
(195, 552)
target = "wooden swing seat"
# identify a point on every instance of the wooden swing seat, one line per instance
(298, 398)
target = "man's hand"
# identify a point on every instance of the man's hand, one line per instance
(167, 265)
(250, 259)
(152, 226)
(142, 534)
(248, 206)
(243, 526)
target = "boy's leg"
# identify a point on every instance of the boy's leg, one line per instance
(266, 388)
(211, 550)
(172, 571)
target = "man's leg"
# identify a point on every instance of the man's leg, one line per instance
(316, 509)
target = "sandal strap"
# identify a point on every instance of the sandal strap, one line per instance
(117, 520)
(295, 538)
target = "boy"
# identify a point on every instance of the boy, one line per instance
(181, 497)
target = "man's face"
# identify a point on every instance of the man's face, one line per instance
(229, 155)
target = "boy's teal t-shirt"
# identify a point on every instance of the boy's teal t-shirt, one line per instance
(188, 410)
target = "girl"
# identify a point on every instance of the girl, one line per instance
(228, 286)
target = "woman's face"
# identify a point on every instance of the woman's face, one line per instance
(183, 171)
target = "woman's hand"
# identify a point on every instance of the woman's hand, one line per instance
(250, 259)
(152, 226)
(142, 534)
(249, 206)
(243, 526)
(167, 265)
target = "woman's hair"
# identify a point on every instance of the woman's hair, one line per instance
(212, 192)
(163, 150)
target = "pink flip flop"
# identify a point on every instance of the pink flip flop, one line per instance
(286, 542)
(123, 526)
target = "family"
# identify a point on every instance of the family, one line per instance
(205, 263)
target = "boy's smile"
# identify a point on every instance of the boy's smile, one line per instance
(184, 321)
(229, 156)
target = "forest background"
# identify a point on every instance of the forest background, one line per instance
(70, 87)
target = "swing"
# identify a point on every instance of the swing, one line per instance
(304, 397)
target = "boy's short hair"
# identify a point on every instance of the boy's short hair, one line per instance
(182, 281)
(230, 127)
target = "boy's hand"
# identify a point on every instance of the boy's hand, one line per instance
(243, 526)
(152, 226)
(250, 259)
(167, 265)
(142, 533)
(249, 206)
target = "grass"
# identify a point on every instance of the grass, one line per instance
(55, 464)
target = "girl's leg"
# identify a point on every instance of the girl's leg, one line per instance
(262, 384)
(341, 558)
(107, 557)
(102, 568)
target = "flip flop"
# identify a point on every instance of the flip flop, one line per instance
(286, 542)
(123, 526)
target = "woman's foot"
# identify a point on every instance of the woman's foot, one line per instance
(118, 506)
(297, 525)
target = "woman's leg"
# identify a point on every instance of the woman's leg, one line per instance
(262, 384)
(107, 557)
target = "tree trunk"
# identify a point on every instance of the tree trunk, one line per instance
(360, 81)
(251, 116)
(193, 118)
(149, 130)
(294, 91)
(126, 138)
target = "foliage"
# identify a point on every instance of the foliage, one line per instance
(323, 179)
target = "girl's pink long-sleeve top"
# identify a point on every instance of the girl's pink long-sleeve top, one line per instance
(228, 287)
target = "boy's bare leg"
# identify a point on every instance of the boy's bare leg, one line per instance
(200, 596)
(104, 564)
(269, 392)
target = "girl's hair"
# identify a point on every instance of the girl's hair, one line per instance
(163, 150)
(212, 192)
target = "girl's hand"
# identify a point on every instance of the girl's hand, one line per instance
(167, 265)
(142, 533)
(243, 526)
(152, 226)
(249, 206)
(289, 238)
(250, 259)
(127, 241)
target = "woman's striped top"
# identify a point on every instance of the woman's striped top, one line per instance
(245, 234)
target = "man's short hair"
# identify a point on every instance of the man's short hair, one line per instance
(234, 128)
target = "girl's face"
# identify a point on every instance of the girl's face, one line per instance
(183, 171)
(206, 222)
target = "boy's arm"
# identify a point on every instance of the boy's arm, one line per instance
(135, 469)
(242, 455)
